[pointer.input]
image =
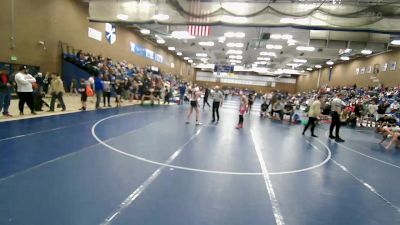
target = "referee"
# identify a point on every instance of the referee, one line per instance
(218, 98)
(336, 109)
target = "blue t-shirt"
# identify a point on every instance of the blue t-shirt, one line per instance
(182, 90)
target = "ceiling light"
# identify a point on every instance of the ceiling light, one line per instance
(181, 35)
(186, 58)
(145, 31)
(305, 48)
(234, 45)
(293, 64)
(160, 41)
(221, 39)
(122, 16)
(330, 62)
(345, 58)
(309, 69)
(234, 52)
(300, 60)
(366, 52)
(201, 54)
(263, 59)
(296, 21)
(276, 36)
(179, 53)
(171, 48)
(395, 42)
(318, 66)
(274, 46)
(287, 37)
(206, 43)
(160, 17)
(190, 61)
(291, 42)
(268, 54)
(232, 63)
(234, 34)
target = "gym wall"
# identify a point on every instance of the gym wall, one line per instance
(345, 74)
(53, 21)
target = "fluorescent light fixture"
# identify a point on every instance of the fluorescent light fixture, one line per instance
(293, 64)
(330, 62)
(236, 57)
(291, 42)
(318, 66)
(261, 63)
(366, 52)
(122, 16)
(145, 31)
(160, 41)
(300, 60)
(345, 58)
(234, 45)
(274, 47)
(303, 71)
(275, 36)
(186, 58)
(190, 61)
(234, 35)
(160, 17)
(179, 53)
(305, 48)
(172, 65)
(234, 52)
(221, 39)
(309, 69)
(181, 35)
(395, 42)
(201, 54)
(273, 54)
(232, 63)
(206, 43)
(171, 48)
(287, 37)
(263, 58)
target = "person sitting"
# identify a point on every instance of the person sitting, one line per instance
(264, 108)
(288, 110)
(277, 107)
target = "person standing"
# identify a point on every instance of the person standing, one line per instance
(5, 93)
(82, 90)
(182, 91)
(313, 114)
(99, 88)
(24, 89)
(218, 98)
(194, 104)
(205, 99)
(106, 91)
(56, 91)
(336, 109)
(242, 110)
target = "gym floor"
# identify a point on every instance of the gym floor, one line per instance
(144, 165)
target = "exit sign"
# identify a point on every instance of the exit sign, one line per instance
(13, 58)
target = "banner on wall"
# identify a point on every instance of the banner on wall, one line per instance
(111, 34)
(95, 34)
(144, 52)
(158, 58)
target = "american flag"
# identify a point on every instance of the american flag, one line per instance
(195, 30)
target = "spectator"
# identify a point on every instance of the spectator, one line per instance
(106, 91)
(313, 114)
(82, 91)
(5, 93)
(288, 110)
(56, 91)
(24, 89)
(182, 91)
(98, 87)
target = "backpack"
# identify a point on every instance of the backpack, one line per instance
(89, 91)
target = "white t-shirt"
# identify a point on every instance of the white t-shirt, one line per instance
(24, 82)
(372, 109)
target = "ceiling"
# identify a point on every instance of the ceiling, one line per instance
(358, 29)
